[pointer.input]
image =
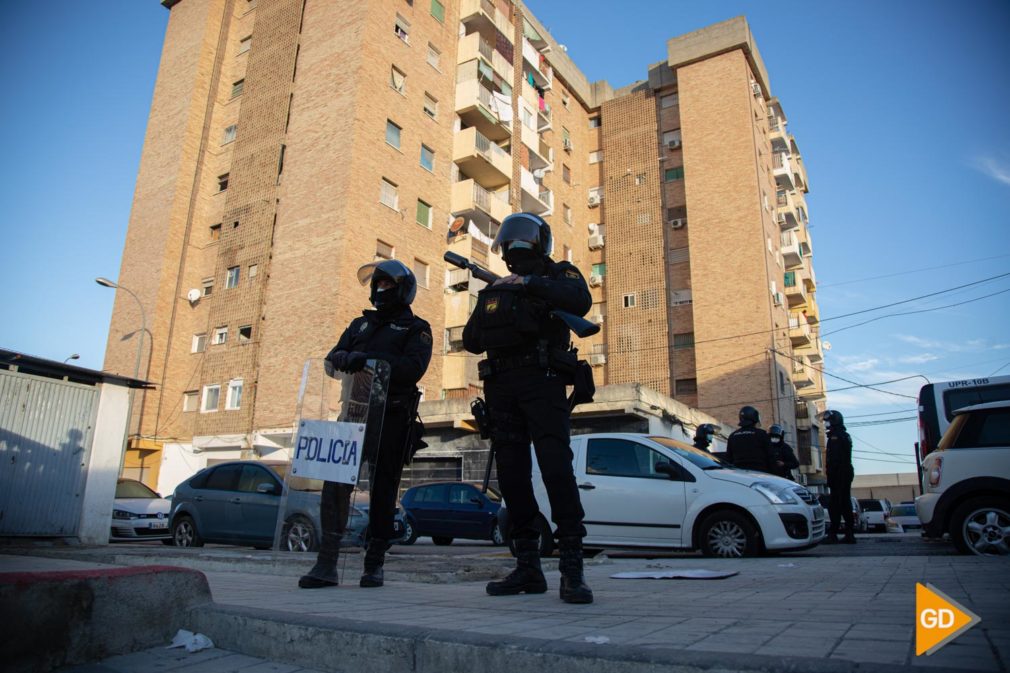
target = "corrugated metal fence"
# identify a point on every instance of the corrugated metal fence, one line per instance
(46, 430)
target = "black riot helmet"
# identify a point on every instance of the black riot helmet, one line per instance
(776, 431)
(705, 431)
(833, 418)
(749, 416)
(404, 284)
(523, 240)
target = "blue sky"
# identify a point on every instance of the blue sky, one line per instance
(898, 107)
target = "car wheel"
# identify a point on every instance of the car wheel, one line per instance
(982, 526)
(442, 541)
(496, 535)
(184, 533)
(299, 535)
(728, 534)
(409, 532)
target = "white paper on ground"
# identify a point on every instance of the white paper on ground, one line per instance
(675, 575)
(193, 642)
(597, 640)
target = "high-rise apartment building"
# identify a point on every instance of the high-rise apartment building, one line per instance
(289, 142)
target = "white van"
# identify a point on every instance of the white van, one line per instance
(641, 490)
(939, 401)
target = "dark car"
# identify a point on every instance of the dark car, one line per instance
(449, 510)
(238, 502)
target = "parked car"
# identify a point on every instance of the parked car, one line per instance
(449, 510)
(966, 481)
(238, 503)
(642, 490)
(903, 516)
(138, 513)
(876, 511)
(858, 515)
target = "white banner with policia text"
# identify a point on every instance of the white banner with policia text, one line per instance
(328, 450)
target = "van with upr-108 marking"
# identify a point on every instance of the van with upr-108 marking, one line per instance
(939, 401)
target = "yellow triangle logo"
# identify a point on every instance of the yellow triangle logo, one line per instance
(938, 619)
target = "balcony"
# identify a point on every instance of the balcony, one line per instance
(486, 209)
(541, 156)
(812, 310)
(478, 107)
(481, 159)
(815, 391)
(802, 376)
(482, 16)
(543, 116)
(537, 66)
(474, 46)
(457, 280)
(792, 254)
(783, 171)
(785, 204)
(799, 170)
(794, 290)
(535, 197)
(799, 332)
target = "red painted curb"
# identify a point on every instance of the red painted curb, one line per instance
(97, 573)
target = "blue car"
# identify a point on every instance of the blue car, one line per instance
(449, 510)
(237, 503)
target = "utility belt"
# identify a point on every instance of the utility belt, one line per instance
(564, 362)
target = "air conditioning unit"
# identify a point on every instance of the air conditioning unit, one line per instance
(678, 223)
(594, 200)
(597, 359)
(596, 318)
(756, 88)
(777, 298)
(596, 242)
(567, 145)
(673, 144)
(595, 280)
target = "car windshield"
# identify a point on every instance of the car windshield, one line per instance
(134, 489)
(872, 505)
(296, 483)
(903, 510)
(699, 458)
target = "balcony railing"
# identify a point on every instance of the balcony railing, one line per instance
(474, 45)
(481, 159)
(468, 196)
(799, 332)
(791, 253)
(783, 172)
(477, 106)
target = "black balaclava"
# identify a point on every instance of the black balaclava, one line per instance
(522, 260)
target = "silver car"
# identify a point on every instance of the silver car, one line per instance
(139, 513)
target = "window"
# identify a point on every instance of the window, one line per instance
(427, 158)
(397, 80)
(215, 231)
(388, 195)
(383, 250)
(433, 56)
(595, 122)
(566, 139)
(596, 157)
(680, 297)
(600, 269)
(640, 179)
(669, 101)
(983, 429)
(190, 400)
(236, 88)
(423, 214)
(565, 99)
(437, 10)
(567, 254)
(392, 134)
(421, 273)
(210, 398)
(253, 269)
(790, 279)
(253, 476)
(220, 335)
(566, 174)
(683, 340)
(673, 174)
(231, 280)
(224, 478)
(686, 387)
(623, 458)
(402, 29)
(431, 494)
(244, 333)
(234, 399)
(199, 343)
(629, 300)
(222, 182)
(208, 286)
(568, 213)
(245, 44)
(672, 138)
(430, 105)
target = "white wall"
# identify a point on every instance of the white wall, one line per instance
(103, 467)
(179, 462)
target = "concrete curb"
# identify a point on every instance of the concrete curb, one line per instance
(52, 619)
(338, 644)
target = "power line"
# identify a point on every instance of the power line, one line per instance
(886, 421)
(842, 378)
(1001, 368)
(883, 413)
(874, 446)
(903, 273)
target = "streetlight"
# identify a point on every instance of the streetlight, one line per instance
(105, 282)
(75, 356)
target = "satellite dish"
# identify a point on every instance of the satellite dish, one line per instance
(455, 228)
(827, 345)
(193, 296)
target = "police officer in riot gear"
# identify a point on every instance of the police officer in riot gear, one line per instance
(525, 390)
(748, 447)
(838, 466)
(703, 436)
(784, 459)
(390, 332)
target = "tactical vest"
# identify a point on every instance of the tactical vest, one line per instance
(509, 317)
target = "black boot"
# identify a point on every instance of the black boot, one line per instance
(850, 537)
(527, 576)
(324, 572)
(573, 584)
(375, 557)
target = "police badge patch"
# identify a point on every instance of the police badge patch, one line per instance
(491, 305)
(572, 273)
(426, 337)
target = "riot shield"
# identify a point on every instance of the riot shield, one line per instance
(337, 432)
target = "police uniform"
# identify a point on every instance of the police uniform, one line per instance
(783, 453)
(749, 448)
(527, 402)
(838, 466)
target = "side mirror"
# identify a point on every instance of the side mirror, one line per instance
(267, 488)
(477, 501)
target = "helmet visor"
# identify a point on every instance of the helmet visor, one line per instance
(393, 269)
(518, 227)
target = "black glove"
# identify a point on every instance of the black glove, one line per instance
(355, 361)
(338, 360)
